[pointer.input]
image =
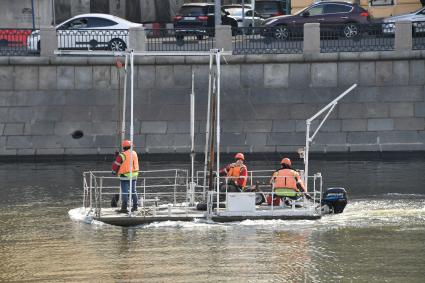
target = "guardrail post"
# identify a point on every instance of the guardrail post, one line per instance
(48, 41)
(311, 38)
(223, 38)
(137, 39)
(403, 36)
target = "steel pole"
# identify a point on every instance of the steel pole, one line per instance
(32, 13)
(218, 120)
(129, 202)
(124, 100)
(217, 11)
(207, 128)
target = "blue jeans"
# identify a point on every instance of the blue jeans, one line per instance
(125, 185)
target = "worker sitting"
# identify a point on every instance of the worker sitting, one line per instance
(237, 175)
(286, 183)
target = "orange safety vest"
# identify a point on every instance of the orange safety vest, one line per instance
(286, 178)
(235, 172)
(125, 166)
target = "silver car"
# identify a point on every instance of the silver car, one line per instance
(417, 18)
(89, 31)
(248, 20)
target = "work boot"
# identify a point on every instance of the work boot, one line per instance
(122, 210)
(133, 209)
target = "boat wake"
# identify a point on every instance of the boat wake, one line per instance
(405, 212)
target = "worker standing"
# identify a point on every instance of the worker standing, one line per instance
(122, 168)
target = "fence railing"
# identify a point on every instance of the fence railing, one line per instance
(195, 39)
(14, 42)
(418, 35)
(355, 38)
(92, 39)
(259, 40)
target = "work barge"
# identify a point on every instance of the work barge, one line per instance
(203, 195)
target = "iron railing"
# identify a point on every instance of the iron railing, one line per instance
(92, 39)
(353, 37)
(259, 40)
(14, 42)
(195, 39)
(418, 35)
(248, 40)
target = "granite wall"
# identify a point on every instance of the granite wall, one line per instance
(265, 102)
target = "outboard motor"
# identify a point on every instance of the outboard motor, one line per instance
(335, 199)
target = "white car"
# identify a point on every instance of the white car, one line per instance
(249, 20)
(89, 32)
(417, 18)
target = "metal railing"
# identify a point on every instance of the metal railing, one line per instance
(160, 186)
(353, 37)
(248, 40)
(196, 39)
(418, 35)
(92, 39)
(14, 42)
(258, 40)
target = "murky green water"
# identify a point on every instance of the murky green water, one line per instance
(379, 238)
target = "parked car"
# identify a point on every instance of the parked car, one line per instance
(249, 20)
(89, 31)
(199, 19)
(417, 18)
(340, 17)
(229, 6)
(14, 37)
(269, 8)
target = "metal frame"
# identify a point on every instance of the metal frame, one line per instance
(309, 139)
(131, 53)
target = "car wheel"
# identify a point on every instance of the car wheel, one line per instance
(199, 37)
(117, 44)
(281, 32)
(351, 30)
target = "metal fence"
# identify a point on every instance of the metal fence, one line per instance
(180, 40)
(92, 39)
(258, 40)
(418, 35)
(355, 38)
(14, 42)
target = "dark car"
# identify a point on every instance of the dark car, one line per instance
(269, 8)
(199, 19)
(344, 17)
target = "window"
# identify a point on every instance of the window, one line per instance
(336, 8)
(316, 10)
(381, 2)
(75, 24)
(99, 22)
(192, 11)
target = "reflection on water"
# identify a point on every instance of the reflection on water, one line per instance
(379, 238)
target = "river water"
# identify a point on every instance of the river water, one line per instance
(380, 237)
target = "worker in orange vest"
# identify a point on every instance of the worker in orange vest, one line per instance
(237, 172)
(121, 167)
(286, 182)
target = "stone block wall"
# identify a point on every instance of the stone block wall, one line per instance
(265, 102)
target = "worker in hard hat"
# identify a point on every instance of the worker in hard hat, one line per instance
(122, 167)
(236, 173)
(286, 182)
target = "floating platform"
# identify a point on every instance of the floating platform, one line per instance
(189, 214)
